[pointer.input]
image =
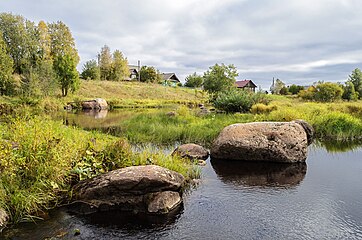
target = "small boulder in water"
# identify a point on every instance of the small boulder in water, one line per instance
(191, 151)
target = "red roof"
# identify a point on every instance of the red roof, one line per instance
(243, 83)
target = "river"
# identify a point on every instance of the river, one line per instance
(321, 199)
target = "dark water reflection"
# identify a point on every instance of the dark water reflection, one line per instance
(240, 201)
(264, 174)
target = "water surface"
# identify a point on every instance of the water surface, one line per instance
(321, 199)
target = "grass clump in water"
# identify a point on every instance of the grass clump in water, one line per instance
(183, 126)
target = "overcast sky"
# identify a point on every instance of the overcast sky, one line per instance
(298, 41)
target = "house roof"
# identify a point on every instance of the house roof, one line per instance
(170, 76)
(243, 83)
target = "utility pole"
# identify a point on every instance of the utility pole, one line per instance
(139, 69)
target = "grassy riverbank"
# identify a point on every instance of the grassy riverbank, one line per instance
(138, 94)
(41, 159)
(332, 121)
(117, 94)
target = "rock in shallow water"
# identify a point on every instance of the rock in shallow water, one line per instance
(191, 151)
(285, 142)
(138, 188)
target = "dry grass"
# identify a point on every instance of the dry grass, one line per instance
(132, 91)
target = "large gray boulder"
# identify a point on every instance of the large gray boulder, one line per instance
(96, 104)
(148, 188)
(191, 151)
(285, 142)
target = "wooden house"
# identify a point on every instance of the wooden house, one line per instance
(133, 71)
(170, 79)
(246, 84)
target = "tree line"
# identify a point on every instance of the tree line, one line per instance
(36, 59)
(115, 67)
(322, 91)
(221, 78)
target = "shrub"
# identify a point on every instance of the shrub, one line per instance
(238, 101)
(338, 126)
(261, 108)
(323, 92)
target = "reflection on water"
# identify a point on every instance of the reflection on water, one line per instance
(63, 225)
(339, 146)
(259, 173)
(97, 114)
(108, 122)
(130, 221)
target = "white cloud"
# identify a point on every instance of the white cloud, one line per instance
(305, 40)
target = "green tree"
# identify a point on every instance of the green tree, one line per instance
(284, 91)
(328, 92)
(65, 67)
(44, 41)
(105, 63)
(91, 70)
(356, 79)
(294, 89)
(65, 56)
(62, 41)
(194, 80)
(219, 78)
(120, 70)
(21, 38)
(149, 74)
(6, 70)
(349, 92)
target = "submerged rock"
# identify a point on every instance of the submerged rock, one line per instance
(262, 141)
(138, 189)
(163, 202)
(191, 151)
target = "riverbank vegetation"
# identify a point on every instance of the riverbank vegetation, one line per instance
(41, 159)
(339, 121)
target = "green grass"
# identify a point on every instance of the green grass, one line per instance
(186, 126)
(41, 159)
(137, 94)
(332, 121)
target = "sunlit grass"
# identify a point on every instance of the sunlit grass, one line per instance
(41, 159)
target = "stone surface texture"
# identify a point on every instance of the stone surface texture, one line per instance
(262, 141)
(137, 188)
(191, 151)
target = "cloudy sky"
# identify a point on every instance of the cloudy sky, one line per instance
(298, 41)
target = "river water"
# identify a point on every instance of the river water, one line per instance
(321, 199)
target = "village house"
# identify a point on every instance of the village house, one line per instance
(170, 79)
(133, 71)
(246, 84)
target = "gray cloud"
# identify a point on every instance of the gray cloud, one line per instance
(296, 41)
